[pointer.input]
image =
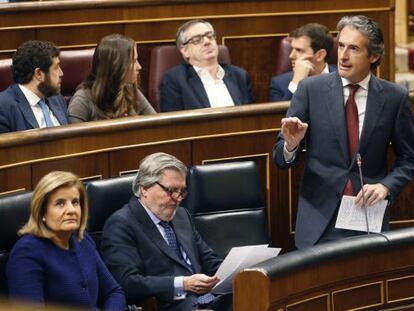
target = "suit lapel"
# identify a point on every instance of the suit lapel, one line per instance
(24, 107)
(231, 84)
(152, 232)
(184, 238)
(195, 83)
(336, 109)
(373, 111)
(58, 113)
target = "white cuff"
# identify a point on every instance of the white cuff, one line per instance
(292, 87)
(289, 156)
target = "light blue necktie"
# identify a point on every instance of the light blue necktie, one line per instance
(46, 114)
(175, 246)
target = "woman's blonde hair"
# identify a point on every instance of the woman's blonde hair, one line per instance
(40, 198)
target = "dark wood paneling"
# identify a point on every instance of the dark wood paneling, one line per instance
(88, 167)
(320, 303)
(255, 56)
(401, 289)
(364, 296)
(129, 159)
(15, 179)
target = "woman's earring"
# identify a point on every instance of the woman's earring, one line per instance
(44, 219)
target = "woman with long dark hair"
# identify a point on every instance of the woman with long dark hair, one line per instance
(111, 89)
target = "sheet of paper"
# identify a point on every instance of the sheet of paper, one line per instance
(351, 217)
(238, 259)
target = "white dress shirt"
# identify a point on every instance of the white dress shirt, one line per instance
(293, 86)
(217, 92)
(179, 292)
(361, 97)
(33, 100)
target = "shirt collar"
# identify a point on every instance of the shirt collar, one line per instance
(153, 217)
(31, 97)
(326, 68)
(363, 83)
(201, 71)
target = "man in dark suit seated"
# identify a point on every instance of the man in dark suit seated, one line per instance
(344, 116)
(34, 101)
(152, 247)
(202, 82)
(311, 45)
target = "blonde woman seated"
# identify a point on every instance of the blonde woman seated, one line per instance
(111, 89)
(55, 261)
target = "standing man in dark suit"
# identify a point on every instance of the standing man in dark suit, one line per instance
(34, 101)
(339, 115)
(311, 44)
(202, 82)
(152, 247)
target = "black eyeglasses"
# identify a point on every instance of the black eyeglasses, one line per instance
(173, 193)
(197, 39)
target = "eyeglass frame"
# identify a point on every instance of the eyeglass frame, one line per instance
(209, 34)
(171, 192)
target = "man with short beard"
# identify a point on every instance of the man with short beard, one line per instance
(34, 101)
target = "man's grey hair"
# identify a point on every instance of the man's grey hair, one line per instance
(180, 38)
(370, 29)
(152, 167)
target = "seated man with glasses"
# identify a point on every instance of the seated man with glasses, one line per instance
(202, 82)
(152, 247)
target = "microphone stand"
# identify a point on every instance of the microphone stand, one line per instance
(359, 163)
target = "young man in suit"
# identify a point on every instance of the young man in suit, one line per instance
(34, 101)
(152, 247)
(202, 82)
(340, 115)
(311, 44)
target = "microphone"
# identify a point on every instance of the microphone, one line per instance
(359, 163)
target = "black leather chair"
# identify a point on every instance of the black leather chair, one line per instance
(226, 203)
(14, 213)
(105, 197)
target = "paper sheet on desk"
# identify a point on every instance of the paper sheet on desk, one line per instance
(351, 217)
(238, 259)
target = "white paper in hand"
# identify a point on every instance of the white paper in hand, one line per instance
(238, 259)
(352, 217)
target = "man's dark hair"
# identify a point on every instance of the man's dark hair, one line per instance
(369, 28)
(31, 55)
(319, 35)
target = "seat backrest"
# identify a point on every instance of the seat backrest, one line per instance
(14, 213)
(6, 75)
(105, 197)
(283, 62)
(226, 203)
(165, 57)
(76, 65)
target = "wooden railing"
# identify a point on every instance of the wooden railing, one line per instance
(370, 272)
(103, 149)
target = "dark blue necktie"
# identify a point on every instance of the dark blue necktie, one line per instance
(171, 238)
(45, 111)
(173, 243)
